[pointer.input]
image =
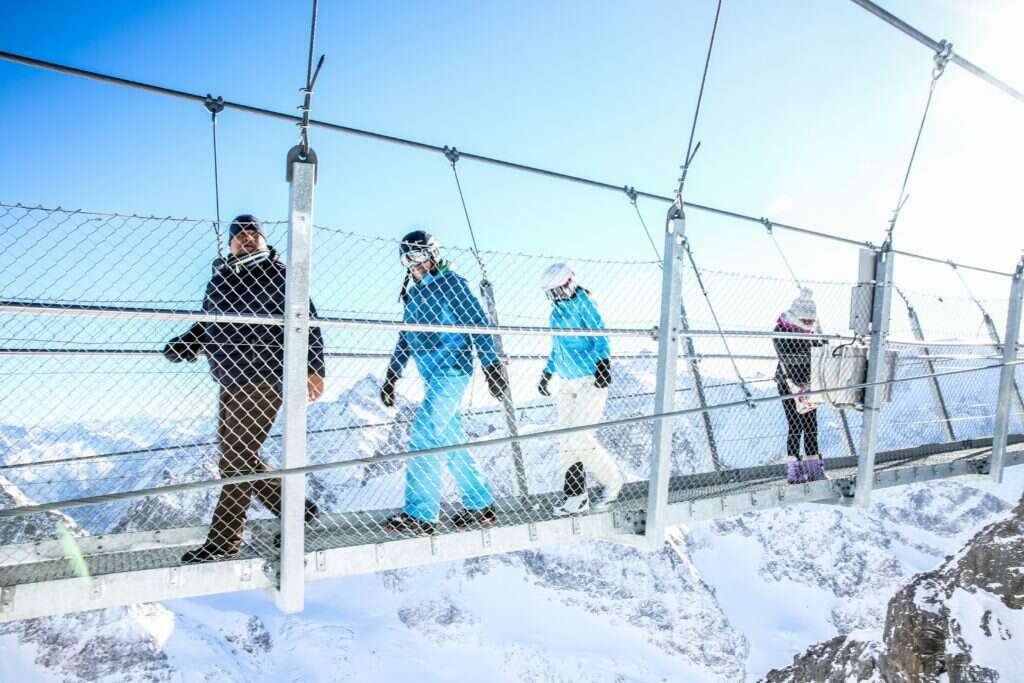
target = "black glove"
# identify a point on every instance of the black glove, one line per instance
(603, 374)
(496, 382)
(184, 347)
(387, 389)
(542, 385)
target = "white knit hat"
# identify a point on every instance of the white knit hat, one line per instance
(803, 306)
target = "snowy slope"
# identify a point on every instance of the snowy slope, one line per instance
(723, 601)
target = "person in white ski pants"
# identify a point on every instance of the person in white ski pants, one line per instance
(583, 365)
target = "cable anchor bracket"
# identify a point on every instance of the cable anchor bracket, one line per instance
(451, 154)
(942, 57)
(304, 156)
(214, 105)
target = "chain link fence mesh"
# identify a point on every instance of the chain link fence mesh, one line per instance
(93, 407)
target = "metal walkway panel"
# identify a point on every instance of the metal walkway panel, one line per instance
(151, 571)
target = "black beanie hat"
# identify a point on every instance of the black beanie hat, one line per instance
(245, 222)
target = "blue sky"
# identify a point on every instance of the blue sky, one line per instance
(809, 116)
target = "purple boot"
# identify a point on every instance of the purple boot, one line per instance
(795, 473)
(814, 468)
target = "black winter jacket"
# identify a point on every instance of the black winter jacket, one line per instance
(794, 355)
(241, 353)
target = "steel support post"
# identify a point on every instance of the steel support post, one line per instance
(290, 595)
(487, 290)
(1007, 374)
(665, 382)
(880, 308)
(940, 401)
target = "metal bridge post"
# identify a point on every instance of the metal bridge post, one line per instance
(1007, 375)
(290, 595)
(915, 326)
(880, 309)
(665, 381)
(487, 290)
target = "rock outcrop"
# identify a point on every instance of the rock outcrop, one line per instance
(962, 623)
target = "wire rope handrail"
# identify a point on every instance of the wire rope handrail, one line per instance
(477, 412)
(936, 46)
(484, 443)
(35, 308)
(441, 149)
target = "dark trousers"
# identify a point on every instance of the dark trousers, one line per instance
(245, 416)
(805, 425)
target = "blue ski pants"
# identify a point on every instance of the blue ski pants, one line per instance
(439, 423)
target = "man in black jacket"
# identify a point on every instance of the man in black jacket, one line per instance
(247, 360)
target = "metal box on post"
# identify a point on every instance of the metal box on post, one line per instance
(862, 294)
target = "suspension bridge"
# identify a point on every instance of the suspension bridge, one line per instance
(109, 468)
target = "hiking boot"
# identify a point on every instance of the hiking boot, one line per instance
(404, 523)
(573, 505)
(474, 518)
(814, 468)
(208, 552)
(795, 472)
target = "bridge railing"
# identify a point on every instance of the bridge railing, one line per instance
(110, 450)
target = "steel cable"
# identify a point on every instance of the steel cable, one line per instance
(484, 443)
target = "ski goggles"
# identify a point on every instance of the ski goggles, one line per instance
(562, 292)
(416, 257)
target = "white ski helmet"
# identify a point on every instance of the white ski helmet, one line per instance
(558, 281)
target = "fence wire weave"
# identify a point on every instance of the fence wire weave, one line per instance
(93, 406)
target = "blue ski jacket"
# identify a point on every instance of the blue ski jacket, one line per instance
(442, 298)
(574, 357)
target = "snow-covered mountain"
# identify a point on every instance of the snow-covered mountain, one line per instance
(726, 600)
(722, 601)
(962, 622)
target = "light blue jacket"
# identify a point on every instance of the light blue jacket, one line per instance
(443, 298)
(574, 357)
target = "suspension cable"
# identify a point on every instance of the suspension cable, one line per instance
(778, 247)
(452, 155)
(307, 92)
(941, 58)
(986, 319)
(718, 326)
(691, 151)
(632, 194)
(216, 106)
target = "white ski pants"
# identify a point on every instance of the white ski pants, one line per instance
(580, 403)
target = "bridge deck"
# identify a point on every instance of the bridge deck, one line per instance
(360, 528)
(141, 567)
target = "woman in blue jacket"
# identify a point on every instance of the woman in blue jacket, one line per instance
(432, 294)
(583, 365)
